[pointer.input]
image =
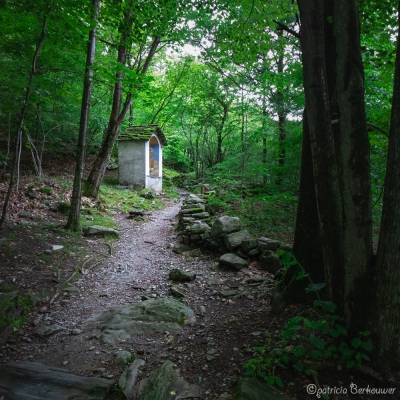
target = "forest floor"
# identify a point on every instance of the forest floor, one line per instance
(210, 353)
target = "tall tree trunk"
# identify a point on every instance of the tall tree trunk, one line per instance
(333, 82)
(325, 169)
(220, 130)
(354, 159)
(281, 117)
(73, 222)
(387, 308)
(18, 139)
(117, 115)
(307, 242)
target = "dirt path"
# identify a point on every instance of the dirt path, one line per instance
(230, 312)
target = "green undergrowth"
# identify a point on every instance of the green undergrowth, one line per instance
(308, 342)
(13, 308)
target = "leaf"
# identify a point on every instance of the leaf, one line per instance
(314, 287)
(356, 342)
(327, 306)
(278, 381)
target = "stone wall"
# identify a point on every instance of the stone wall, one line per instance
(225, 236)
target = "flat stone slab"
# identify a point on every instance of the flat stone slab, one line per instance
(100, 231)
(155, 315)
(27, 380)
(232, 260)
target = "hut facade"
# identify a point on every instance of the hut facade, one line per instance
(140, 157)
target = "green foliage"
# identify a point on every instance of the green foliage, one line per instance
(307, 344)
(13, 309)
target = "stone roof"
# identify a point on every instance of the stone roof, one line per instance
(143, 132)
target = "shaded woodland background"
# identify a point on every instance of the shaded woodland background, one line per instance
(225, 81)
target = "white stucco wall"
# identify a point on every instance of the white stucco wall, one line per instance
(132, 163)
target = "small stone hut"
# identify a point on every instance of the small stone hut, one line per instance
(140, 157)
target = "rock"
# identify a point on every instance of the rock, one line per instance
(127, 381)
(177, 275)
(232, 260)
(225, 225)
(265, 243)
(176, 293)
(193, 253)
(248, 245)
(166, 383)
(270, 261)
(155, 315)
(235, 239)
(278, 302)
(228, 293)
(136, 213)
(192, 210)
(25, 214)
(43, 330)
(198, 205)
(123, 357)
(212, 280)
(101, 231)
(198, 227)
(56, 247)
(147, 193)
(180, 248)
(201, 215)
(252, 389)
(28, 380)
(193, 199)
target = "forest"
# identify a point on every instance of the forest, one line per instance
(289, 111)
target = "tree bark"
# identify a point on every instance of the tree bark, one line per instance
(73, 222)
(325, 170)
(353, 155)
(307, 241)
(220, 130)
(117, 115)
(18, 140)
(387, 308)
(333, 84)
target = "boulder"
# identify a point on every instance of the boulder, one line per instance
(233, 261)
(166, 383)
(270, 262)
(155, 315)
(198, 227)
(127, 381)
(147, 193)
(100, 231)
(177, 275)
(235, 239)
(225, 225)
(248, 245)
(265, 243)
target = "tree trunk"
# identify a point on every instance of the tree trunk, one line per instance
(18, 140)
(73, 222)
(117, 116)
(353, 156)
(325, 168)
(281, 118)
(307, 242)
(387, 308)
(333, 83)
(219, 155)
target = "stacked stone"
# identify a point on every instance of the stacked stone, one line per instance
(226, 236)
(194, 221)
